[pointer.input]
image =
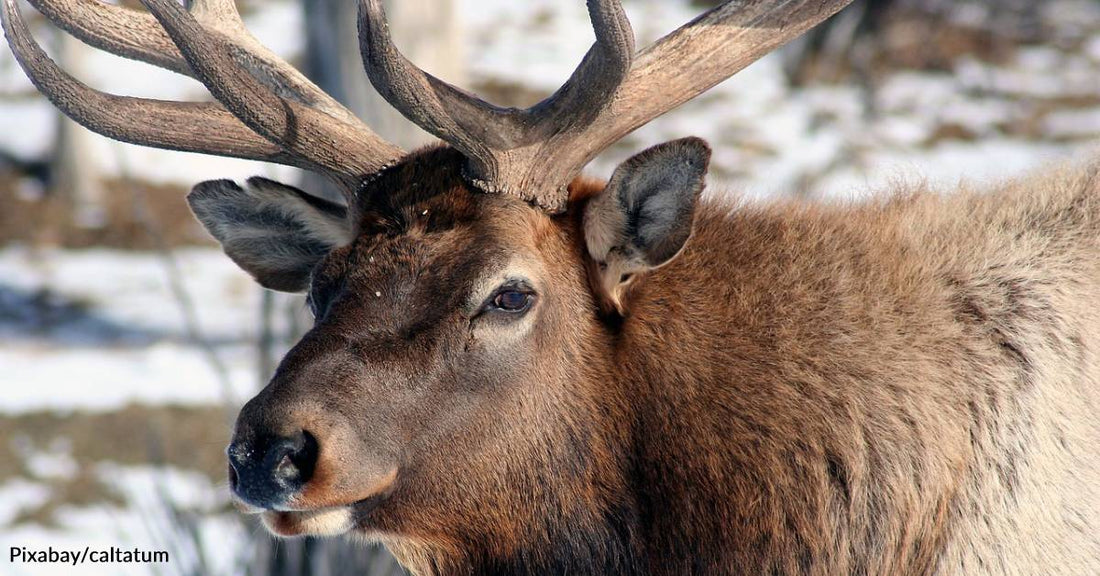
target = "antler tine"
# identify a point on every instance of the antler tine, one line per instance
(138, 35)
(501, 144)
(535, 153)
(594, 82)
(687, 62)
(189, 127)
(222, 8)
(345, 150)
(461, 119)
(115, 29)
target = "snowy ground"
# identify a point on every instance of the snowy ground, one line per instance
(118, 334)
(218, 547)
(95, 330)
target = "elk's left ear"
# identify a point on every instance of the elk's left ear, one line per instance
(275, 232)
(643, 218)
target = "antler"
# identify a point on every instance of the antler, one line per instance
(501, 144)
(268, 110)
(535, 153)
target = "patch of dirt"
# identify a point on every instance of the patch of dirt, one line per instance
(904, 39)
(184, 437)
(950, 131)
(31, 215)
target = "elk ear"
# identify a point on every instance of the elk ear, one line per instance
(644, 215)
(276, 233)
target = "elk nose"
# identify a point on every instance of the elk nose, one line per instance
(267, 471)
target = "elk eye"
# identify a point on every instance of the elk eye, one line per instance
(512, 301)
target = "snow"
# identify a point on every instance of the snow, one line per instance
(131, 289)
(18, 495)
(1073, 123)
(1092, 49)
(27, 128)
(98, 379)
(146, 525)
(54, 463)
(132, 344)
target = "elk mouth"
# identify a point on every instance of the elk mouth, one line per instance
(319, 520)
(323, 521)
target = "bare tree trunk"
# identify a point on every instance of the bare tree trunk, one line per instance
(74, 172)
(428, 32)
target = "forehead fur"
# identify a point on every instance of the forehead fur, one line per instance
(419, 227)
(425, 192)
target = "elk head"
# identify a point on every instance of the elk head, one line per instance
(459, 384)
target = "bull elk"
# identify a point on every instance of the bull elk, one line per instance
(515, 370)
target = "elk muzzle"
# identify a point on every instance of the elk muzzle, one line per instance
(267, 470)
(305, 452)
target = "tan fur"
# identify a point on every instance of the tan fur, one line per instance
(943, 352)
(905, 386)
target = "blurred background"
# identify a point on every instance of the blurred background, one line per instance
(128, 341)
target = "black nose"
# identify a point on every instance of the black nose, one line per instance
(265, 471)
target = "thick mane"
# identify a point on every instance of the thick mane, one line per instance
(887, 388)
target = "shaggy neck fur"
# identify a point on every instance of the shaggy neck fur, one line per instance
(902, 387)
(898, 388)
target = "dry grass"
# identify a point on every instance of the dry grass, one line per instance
(507, 93)
(50, 220)
(908, 39)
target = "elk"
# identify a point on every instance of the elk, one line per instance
(517, 370)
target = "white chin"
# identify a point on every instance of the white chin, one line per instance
(323, 522)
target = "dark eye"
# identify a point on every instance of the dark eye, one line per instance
(512, 301)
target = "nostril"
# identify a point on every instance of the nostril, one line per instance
(286, 469)
(305, 457)
(292, 460)
(266, 470)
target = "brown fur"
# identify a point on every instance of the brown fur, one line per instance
(906, 386)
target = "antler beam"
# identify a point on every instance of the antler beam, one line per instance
(535, 153)
(330, 145)
(495, 139)
(271, 112)
(190, 127)
(691, 60)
